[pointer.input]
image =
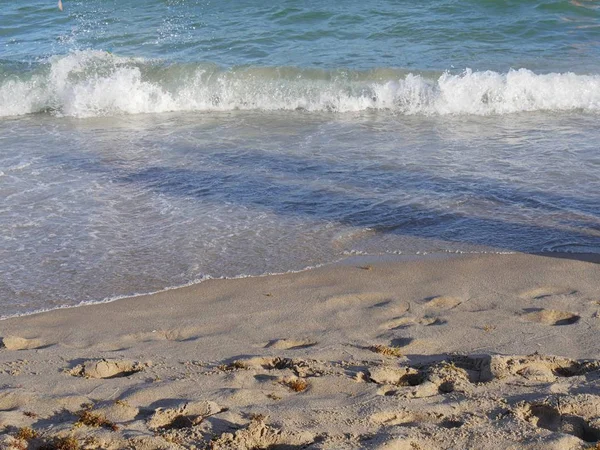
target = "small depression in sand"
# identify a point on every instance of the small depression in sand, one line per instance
(563, 420)
(19, 343)
(545, 292)
(290, 344)
(186, 416)
(362, 298)
(551, 317)
(442, 302)
(405, 322)
(409, 419)
(107, 369)
(258, 435)
(396, 376)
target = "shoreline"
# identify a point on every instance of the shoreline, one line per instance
(390, 353)
(357, 259)
(342, 260)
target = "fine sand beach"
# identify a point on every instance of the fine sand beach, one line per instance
(479, 351)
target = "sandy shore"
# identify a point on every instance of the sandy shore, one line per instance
(488, 351)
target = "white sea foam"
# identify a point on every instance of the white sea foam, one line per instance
(95, 83)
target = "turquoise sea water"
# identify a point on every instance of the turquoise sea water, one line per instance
(151, 144)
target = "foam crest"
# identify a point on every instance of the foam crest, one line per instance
(95, 83)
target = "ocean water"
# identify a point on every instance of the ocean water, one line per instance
(151, 144)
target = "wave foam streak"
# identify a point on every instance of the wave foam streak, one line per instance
(94, 83)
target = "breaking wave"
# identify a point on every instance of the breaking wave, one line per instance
(95, 83)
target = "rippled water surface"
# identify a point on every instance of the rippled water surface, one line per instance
(150, 144)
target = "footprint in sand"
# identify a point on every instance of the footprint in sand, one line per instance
(442, 302)
(545, 292)
(359, 298)
(185, 416)
(410, 419)
(396, 376)
(540, 368)
(19, 343)
(575, 415)
(550, 317)
(290, 344)
(455, 373)
(107, 369)
(405, 322)
(260, 435)
(176, 335)
(117, 411)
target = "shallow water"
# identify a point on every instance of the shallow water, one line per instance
(150, 144)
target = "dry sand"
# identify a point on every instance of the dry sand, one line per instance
(486, 352)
